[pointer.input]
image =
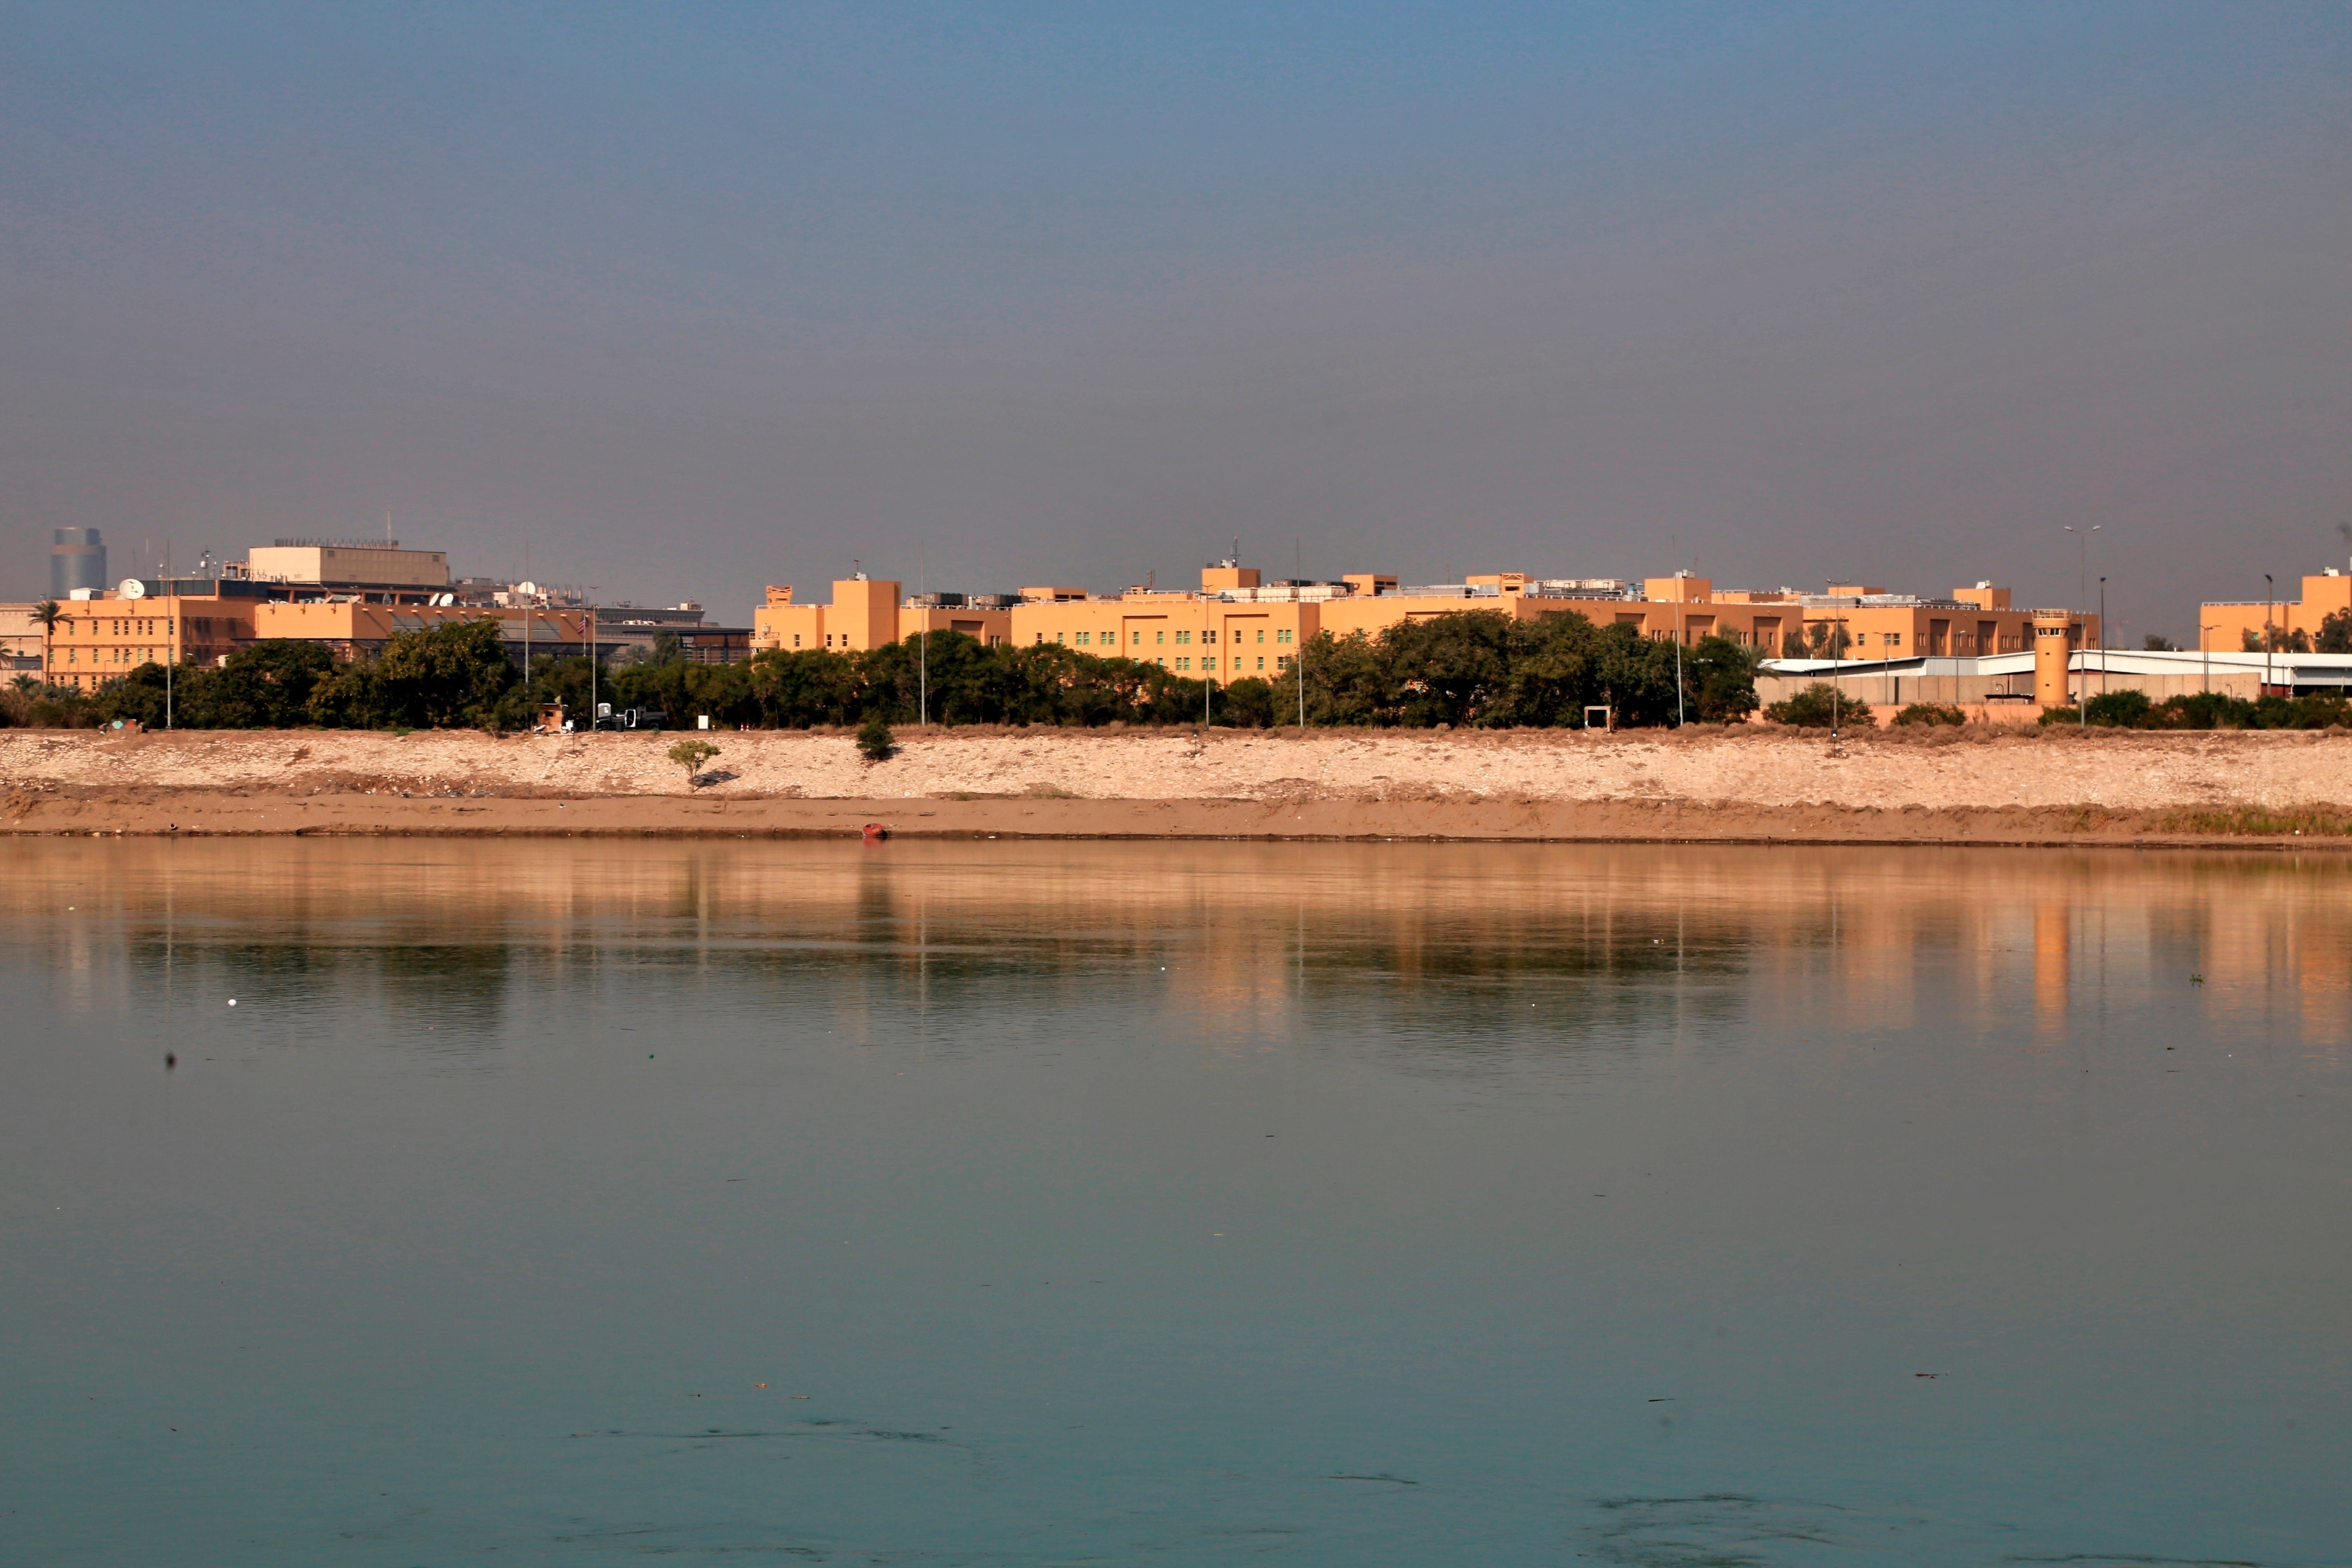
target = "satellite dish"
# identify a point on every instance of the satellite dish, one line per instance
(133, 588)
(529, 590)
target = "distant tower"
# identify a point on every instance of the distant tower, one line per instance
(77, 559)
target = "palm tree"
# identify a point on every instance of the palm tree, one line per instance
(25, 685)
(48, 613)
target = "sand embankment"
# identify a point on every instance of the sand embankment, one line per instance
(1744, 783)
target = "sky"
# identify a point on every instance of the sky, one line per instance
(680, 301)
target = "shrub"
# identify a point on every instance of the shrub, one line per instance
(873, 739)
(2125, 710)
(690, 755)
(1931, 713)
(1819, 707)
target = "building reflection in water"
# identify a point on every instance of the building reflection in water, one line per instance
(1442, 947)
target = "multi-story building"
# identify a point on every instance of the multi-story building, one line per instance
(1236, 623)
(384, 572)
(868, 612)
(77, 561)
(22, 640)
(2229, 624)
(105, 635)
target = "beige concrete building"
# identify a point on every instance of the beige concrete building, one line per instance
(1236, 623)
(351, 629)
(2225, 625)
(350, 564)
(105, 637)
(868, 612)
(21, 640)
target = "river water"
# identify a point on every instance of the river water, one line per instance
(574, 1202)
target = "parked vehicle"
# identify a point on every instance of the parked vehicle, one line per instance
(608, 717)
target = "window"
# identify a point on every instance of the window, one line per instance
(1183, 663)
(1161, 636)
(1283, 635)
(1261, 634)
(1282, 661)
(1183, 637)
(1208, 637)
(1057, 637)
(796, 640)
(1208, 663)
(1084, 637)
(1261, 661)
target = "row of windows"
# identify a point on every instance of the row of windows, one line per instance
(1233, 666)
(123, 655)
(126, 628)
(1159, 638)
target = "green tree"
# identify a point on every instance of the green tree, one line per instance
(1721, 675)
(690, 755)
(2335, 633)
(1818, 707)
(48, 615)
(874, 739)
(2155, 643)
(449, 675)
(2125, 710)
(1931, 713)
(266, 685)
(1247, 703)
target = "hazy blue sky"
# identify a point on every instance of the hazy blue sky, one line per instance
(696, 297)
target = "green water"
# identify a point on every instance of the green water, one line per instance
(1378, 1203)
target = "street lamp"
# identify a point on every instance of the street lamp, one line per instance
(2270, 593)
(2103, 637)
(2205, 647)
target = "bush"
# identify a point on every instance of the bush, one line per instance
(1819, 707)
(2125, 710)
(690, 755)
(1931, 713)
(874, 739)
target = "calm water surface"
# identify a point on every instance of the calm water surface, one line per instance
(1005, 1203)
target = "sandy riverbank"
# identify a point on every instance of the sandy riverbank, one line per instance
(1743, 784)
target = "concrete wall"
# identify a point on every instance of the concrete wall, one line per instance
(1894, 692)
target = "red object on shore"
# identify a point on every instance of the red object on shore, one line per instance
(876, 833)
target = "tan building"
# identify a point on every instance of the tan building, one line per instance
(347, 565)
(1234, 627)
(105, 637)
(351, 629)
(868, 612)
(2224, 625)
(21, 640)
(1235, 623)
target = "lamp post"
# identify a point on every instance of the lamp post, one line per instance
(2103, 637)
(2270, 593)
(1678, 654)
(594, 589)
(2205, 647)
(2082, 591)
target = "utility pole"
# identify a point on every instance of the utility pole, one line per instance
(2205, 647)
(2270, 593)
(170, 632)
(594, 663)
(2083, 592)
(2103, 637)
(1681, 587)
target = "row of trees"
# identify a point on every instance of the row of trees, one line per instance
(1476, 669)
(2205, 710)
(2335, 635)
